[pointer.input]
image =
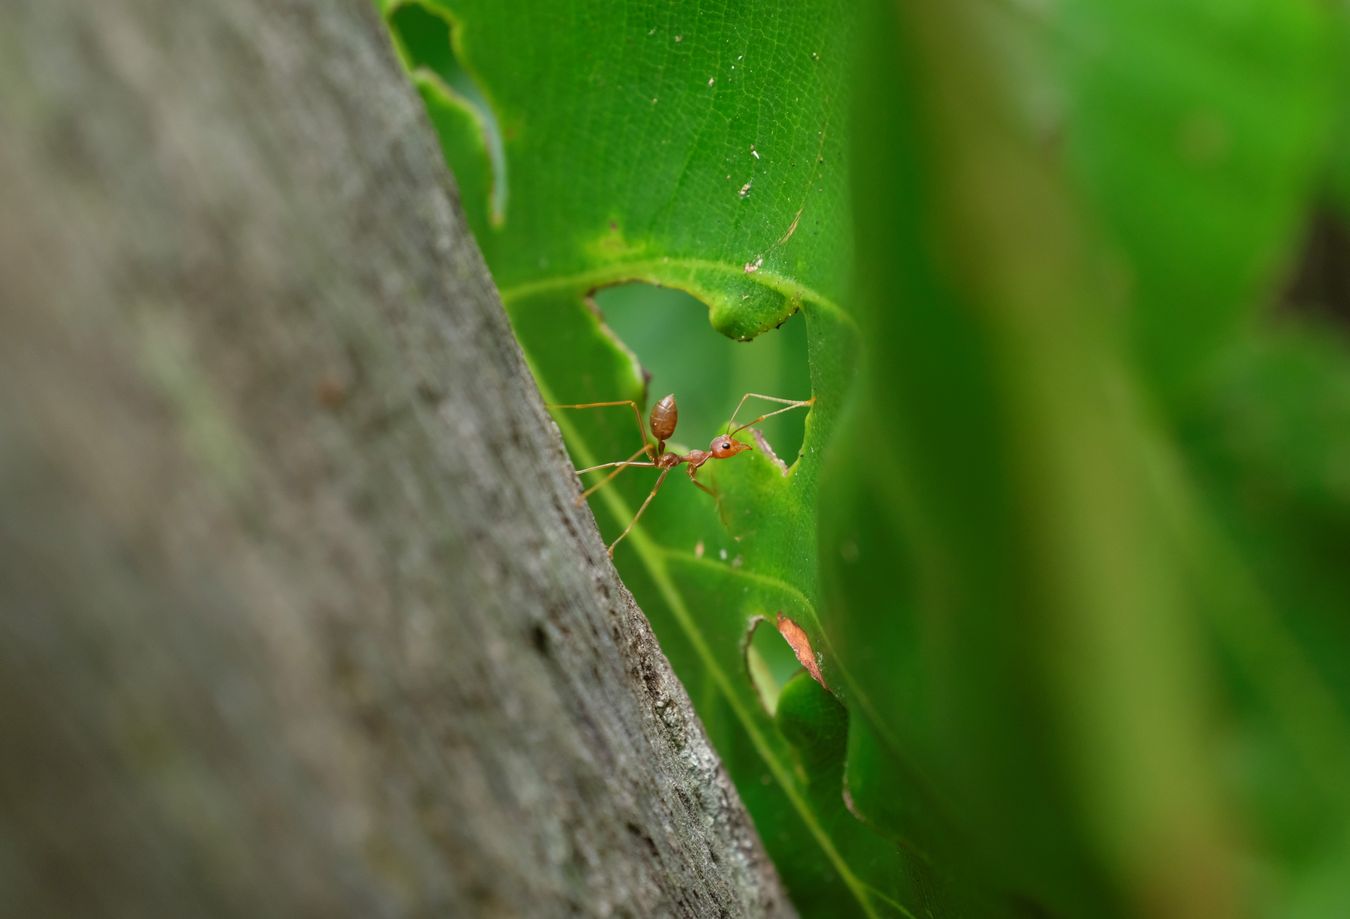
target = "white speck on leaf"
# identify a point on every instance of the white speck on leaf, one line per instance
(698, 549)
(722, 554)
(752, 267)
(712, 80)
(754, 152)
(678, 39)
(745, 189)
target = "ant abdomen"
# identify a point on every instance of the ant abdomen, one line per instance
(664, 417)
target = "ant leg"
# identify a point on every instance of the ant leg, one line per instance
(789, 405)
(631, 461)
(618, 467)
(717, 499)
(693, 477)
(637, 416)
(659, 479)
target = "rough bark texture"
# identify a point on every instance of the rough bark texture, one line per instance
(297, 616)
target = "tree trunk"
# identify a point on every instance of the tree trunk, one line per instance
(297, 615)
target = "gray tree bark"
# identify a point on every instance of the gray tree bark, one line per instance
(297, 616)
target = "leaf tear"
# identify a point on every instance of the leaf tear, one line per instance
(440, 66)
(767, 450)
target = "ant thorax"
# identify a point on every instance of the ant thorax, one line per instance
(670, 460)
(696, 458)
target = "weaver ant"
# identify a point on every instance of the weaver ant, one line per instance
(664, 416)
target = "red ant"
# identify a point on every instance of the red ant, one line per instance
(663, 418)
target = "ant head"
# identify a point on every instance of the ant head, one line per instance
(723, 446)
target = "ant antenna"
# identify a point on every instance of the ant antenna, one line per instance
(788, 405)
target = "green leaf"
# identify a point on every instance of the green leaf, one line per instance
(1083, 499)
(701, 150)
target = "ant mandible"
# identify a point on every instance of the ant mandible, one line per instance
(664, 416)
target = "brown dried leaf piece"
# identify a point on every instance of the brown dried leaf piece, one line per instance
(796, 636)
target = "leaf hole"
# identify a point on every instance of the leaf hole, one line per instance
(680, 352)
(430, 41)
(769, 662)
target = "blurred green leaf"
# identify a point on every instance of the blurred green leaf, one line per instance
(1268, 438)
(1339, 168)
(1048, 585)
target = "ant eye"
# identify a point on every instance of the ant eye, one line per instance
(726, 445)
